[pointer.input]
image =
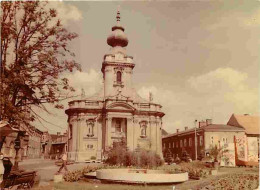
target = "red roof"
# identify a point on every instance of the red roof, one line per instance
(248, 122)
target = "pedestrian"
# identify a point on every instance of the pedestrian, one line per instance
(2, 170)
(64, 162)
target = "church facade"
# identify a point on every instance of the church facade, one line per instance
(115, 113)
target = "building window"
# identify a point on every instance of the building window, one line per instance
(90, 128)
(118, 77)
(180, 143)
(118, 126)
(212, 140)
(172, 144)
(190, 142)
(70, 131)
(201, 140)
(164, 145)
(185, 142)
(177, 145)
(89, 146)
(143, 127)
(169, 145)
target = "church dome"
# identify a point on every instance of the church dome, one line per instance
(117, 37)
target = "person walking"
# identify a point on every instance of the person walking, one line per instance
(2, 170)
(64, 162)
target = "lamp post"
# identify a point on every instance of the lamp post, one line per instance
(17, 146)
(196, 152)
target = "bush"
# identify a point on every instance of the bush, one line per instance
(194, 169)
(73, 176)
(120, 156)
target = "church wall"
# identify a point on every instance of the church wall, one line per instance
(108, 81)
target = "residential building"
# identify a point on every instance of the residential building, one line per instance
(252, 129)
(208, 135)
(58, 144)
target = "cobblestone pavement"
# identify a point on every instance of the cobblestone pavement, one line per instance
(47, 168)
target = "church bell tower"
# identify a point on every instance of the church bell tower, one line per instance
(117, 67)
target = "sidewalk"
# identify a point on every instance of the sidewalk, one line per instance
(35, 161)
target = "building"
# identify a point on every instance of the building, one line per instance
(58, 145)
(34, 144)
(46, 142)
(117, 112)
(252, 130)
(208, 136)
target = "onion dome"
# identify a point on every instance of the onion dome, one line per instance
(118, 37)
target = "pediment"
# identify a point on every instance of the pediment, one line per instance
(120, 106)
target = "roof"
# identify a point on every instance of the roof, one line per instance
(248, 122)
(164, 133)
(221, 127)
(211, 127)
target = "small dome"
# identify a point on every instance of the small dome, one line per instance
(118, 37)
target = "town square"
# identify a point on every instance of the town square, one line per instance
(129, 95)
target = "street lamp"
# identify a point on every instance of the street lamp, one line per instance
(196, 152)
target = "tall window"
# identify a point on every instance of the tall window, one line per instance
(70, 131)
(201, 140)
(190, 142)
(180, 143)
(185, 142)
(169, 145)
(118, 76)
(90, 128)
(118, 126)
(212, 140)
(172, 144)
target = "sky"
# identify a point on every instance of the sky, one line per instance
(200, 59)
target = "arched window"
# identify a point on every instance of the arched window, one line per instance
(118, 76)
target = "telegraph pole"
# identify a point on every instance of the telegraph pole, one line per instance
(196, 152)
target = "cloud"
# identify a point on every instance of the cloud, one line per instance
(66, 12)
(227, 85)
(216, 95)
(90, 81)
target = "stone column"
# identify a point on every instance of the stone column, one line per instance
(73, 122)
(135, 133)
(130, 134)
(159, 137)
(99, 136)
(153, 138)
(108, 131)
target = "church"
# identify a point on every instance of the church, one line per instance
(115, 113)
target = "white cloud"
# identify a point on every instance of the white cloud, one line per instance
(66, 11)
(225, 86)
(216, 95)
(90, 81)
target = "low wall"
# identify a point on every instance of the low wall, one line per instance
(140, 176)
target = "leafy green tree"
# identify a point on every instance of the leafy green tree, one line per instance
(34, 55)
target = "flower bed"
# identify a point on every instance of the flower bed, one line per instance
(234, 181)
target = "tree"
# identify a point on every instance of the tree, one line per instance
(34, 55)
(168, 157)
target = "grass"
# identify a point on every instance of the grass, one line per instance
(191, 184)
(89, 186)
